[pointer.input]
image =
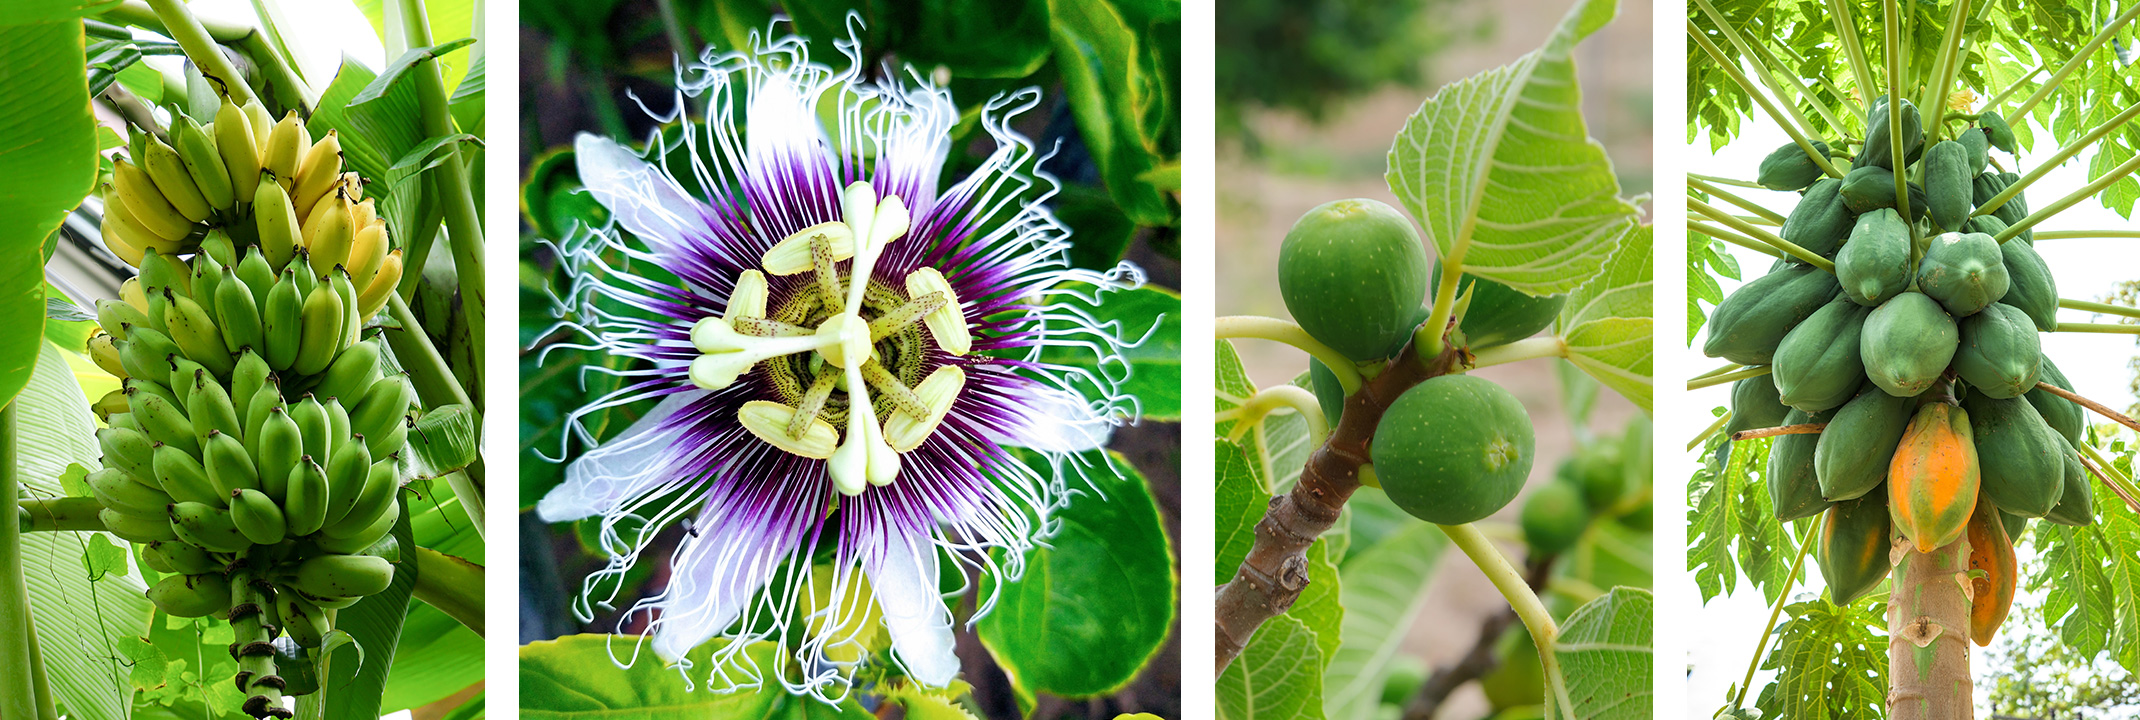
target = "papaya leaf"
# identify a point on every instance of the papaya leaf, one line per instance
(1831, 662)
(1607, 323)
(1707, 259)
(1730, 525)
(1605, 659)
(1500, 170)
(1275, 675)
(2090, 577)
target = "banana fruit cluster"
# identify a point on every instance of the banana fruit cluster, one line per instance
(259, 181)
(254, 444)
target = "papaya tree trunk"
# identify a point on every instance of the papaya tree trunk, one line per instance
(1928, 635)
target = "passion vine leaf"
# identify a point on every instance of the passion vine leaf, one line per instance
(1605, 659)
(1386, 586)
(1276, 676)
(574, 677)
(1500, 170)
(1150, 370)
(1831, 662)
(1607, 322)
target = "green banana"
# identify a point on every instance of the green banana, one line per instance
(135, 528)
(191, 596)
(183, 477)
(241, 155)
(164, 422)
(246, 380)
(306, 280)
(104, 351)
(182, 558)
(258, 517)
(390, 442)
(381, 486)
(196, 334)
(282, 321)
(127, 450)
(259, 277)
(337, 423)
(117, 318)
(305, 506)
(352, 374)
(348, 473)
(321, 331)
(163, 272)
(382, 406)
(285, 148)
(114, 489)
(210, 175)
(207, 526)
(312, 423)
(305, 622)
(185, 376)
(343, 575)
(237, 315)
(281, 446)
(123, 420)
(276, 220)
(207, 273)
(146, 352)
(362, 537)
(211, 411)
(134, 384)
(352, 315)
(112, 403)
(229, 468)
(217, 244)
(267, 398)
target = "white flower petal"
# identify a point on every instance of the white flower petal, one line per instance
(713, 578)
(1056, 422)
(644, 199)
(627, 467)
(904, 579)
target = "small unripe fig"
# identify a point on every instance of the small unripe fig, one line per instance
(1453, 449)
(1353, 274)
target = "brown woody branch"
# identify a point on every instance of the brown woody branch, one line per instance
(2099, 409)
(1799, 429)
(1276, 569)
(1481, 660)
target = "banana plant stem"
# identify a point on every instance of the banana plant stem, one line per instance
(1274, 329)
(2096, 307)
(464, 226)
(201, 47)
(1782, 598)
(59, 514)
(434, 380)
(1519, 596)
(1733, 376)
(471, 498)
(451, 584)
(20, 683)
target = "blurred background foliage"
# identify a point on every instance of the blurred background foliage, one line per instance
(1109, 76)
(1307, 57)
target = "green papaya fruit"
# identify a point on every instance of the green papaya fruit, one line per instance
(1870, 188)
(1554, 517)
(1946, 183)
(2016, 208)
(1793, 484)
(1978, 143)
(1907, 343)
(1963, 271)
(2030, 285)
(2076, 503)
(1986, 224)
(1820, 221)
(1853, 452)
(1877, 151)
(1853, 547)
(2015, 524)
(1998, 132)
(1875, 264)
(2065, 416)
(1498, 314)
(1818, 366)
(2018, 456)
(1748, 325)
(1755, 405)
(1328, 392)
(1789, 168)
(1453, 449)
(1352, 272)
(1986, 186)
(2000, 353)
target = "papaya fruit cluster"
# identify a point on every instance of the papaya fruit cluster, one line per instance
(1921, 354)
(1455, 448)
(254, 444)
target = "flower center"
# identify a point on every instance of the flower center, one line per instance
(840, 351)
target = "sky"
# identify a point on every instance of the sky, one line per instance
(2095, 363)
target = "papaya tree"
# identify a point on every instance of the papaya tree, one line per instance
(1897, 420)
(1537, 257)
(237, 401)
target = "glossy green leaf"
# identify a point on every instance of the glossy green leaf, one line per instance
(1607, 322)
(1149, 316)
(1605, 659)
(47, 87)
(1098, 53)
(1097, 601)
(1500, 171)
(1275, 675)
(449, 20)
(575, 678)
(353, 679)
(1385, 586)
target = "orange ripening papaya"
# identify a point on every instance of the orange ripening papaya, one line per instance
(1933, 480)
(1991, 551)
(1853, 547)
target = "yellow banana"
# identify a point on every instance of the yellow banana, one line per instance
(367, 251)
(361, 211)
(263, 126)
(276, 222)
(328, 235)
(105, 353)
(113, 403)
(168, 171)
(135, 528)
(258, 517)
(115, 239)
(204, 164)
(343, 575)
(234, 141)
(146, 203)
(382, 285)
(285, 150)
(319, 173)
(322, 330)
(131, 292)
(208, 526)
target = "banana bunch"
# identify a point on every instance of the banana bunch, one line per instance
(254, 445)
(267, 181)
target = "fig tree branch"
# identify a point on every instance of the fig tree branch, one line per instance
(1274, 329)
(2099, 409)
(1799, 429)
(1276, 570)
(1481, 660)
